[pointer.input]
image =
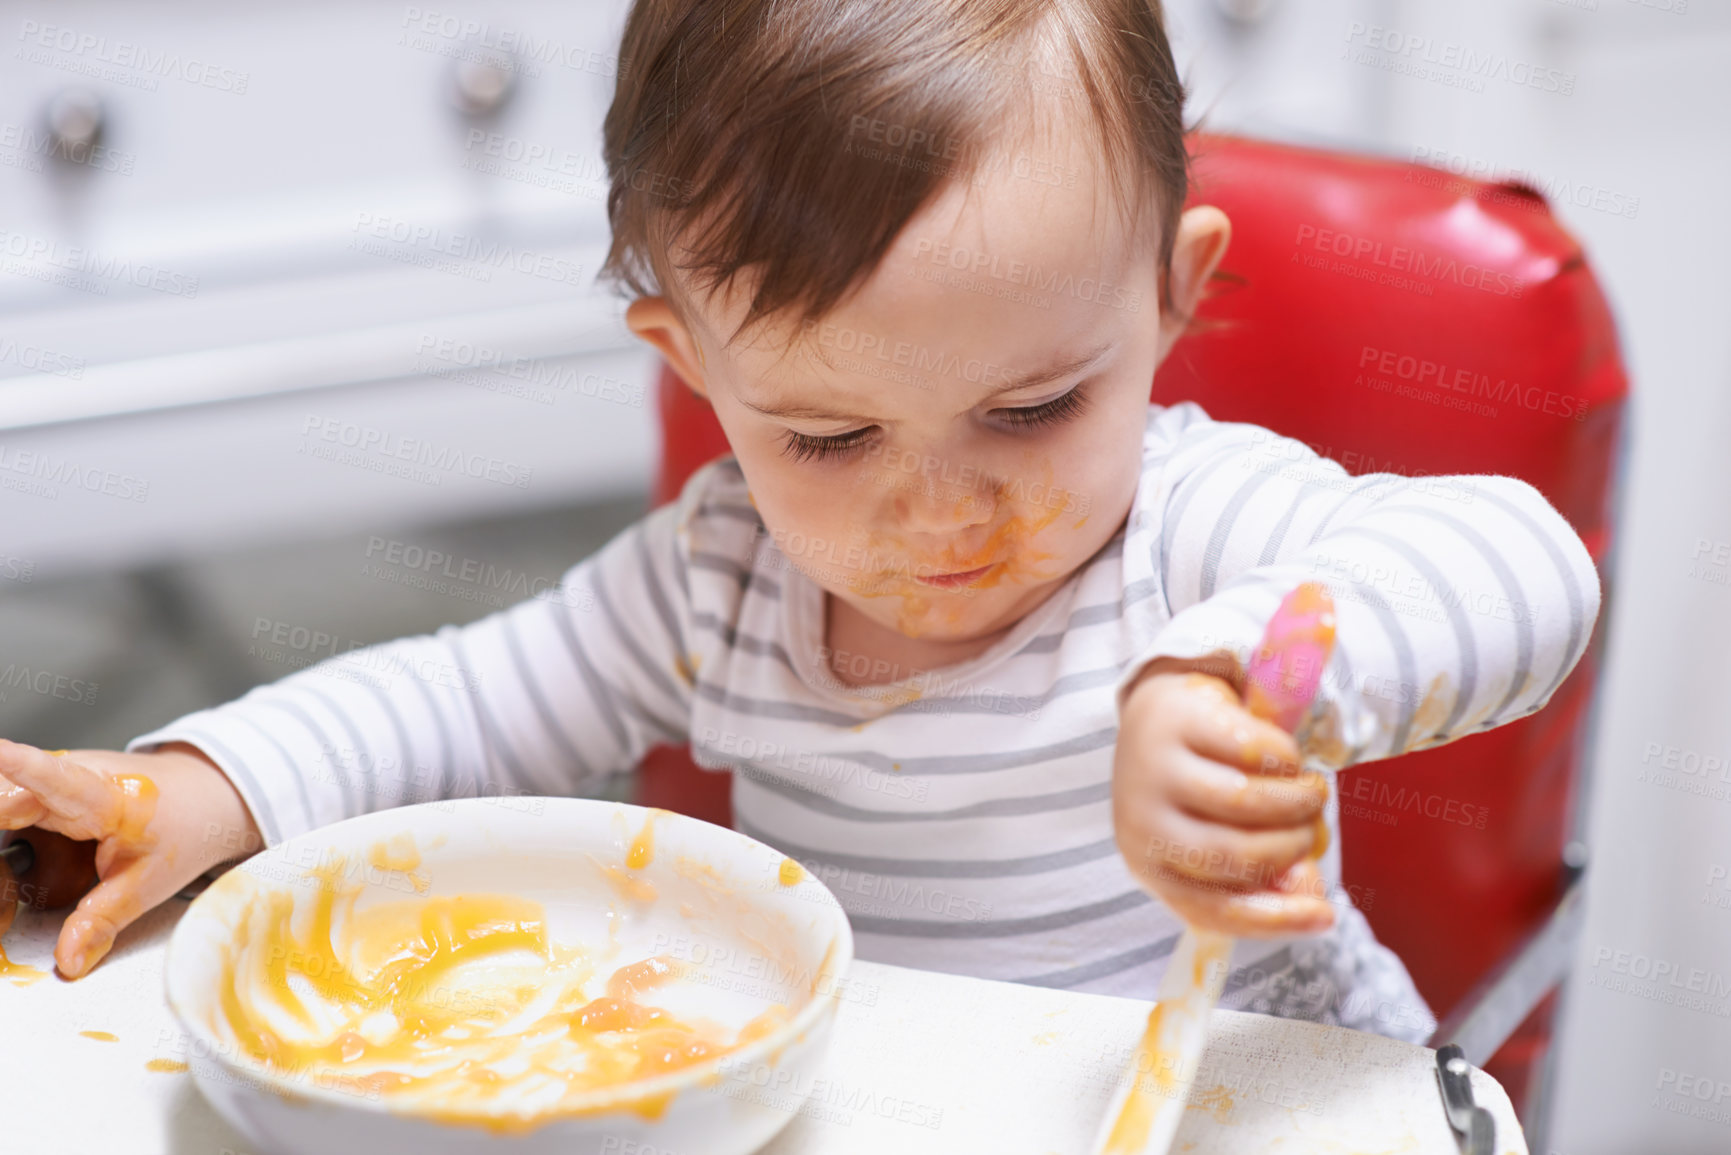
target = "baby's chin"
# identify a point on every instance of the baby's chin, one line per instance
(937, 614)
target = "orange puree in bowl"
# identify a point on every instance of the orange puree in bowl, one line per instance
(457, 1007)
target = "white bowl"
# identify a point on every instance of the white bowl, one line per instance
(754, 931)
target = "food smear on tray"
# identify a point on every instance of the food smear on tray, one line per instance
(459, 1008)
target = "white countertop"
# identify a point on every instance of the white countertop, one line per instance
(919, 1062)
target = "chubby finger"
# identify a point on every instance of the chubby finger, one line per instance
(1221, 793)
(89, 931)
(1201, 851)
(1258, 914)
(1304, 878)
(80, 802)
(1230, 734)
(18, 807)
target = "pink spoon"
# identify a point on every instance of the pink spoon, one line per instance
(1282, 680)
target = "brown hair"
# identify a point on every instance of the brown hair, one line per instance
(796, 138)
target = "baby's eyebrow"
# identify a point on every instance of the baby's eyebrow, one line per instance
(1058, 371)
(801, 412)
(1054, 372)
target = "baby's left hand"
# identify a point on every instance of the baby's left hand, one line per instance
(1211, 810)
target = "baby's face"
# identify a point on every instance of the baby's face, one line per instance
(954, 441)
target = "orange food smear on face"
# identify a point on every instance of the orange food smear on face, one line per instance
(166, 1066)
(454, 1007)
(1008, 550)
(101, 1036)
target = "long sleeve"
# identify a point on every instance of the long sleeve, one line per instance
(548, 696)
(1461, 602)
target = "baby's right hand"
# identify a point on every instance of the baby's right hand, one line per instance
(151, 815)
(1211, 811)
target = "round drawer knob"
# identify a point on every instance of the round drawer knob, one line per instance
(483, 87)
(1245, 12)
(75, 120)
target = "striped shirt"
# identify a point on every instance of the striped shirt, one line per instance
(962, 816)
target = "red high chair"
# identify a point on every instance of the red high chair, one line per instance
(1400, 319)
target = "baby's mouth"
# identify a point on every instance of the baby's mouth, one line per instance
(957, 579)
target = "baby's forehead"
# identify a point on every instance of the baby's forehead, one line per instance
(1028, 207)
(1021, 245)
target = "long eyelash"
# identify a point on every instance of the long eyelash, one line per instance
(805, 447)
(1054, 412)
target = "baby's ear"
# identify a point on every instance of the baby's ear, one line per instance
(1203, 236)
(654, 320)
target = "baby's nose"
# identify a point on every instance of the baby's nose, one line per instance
(935, 506)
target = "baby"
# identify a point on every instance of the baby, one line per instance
(966, 616)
